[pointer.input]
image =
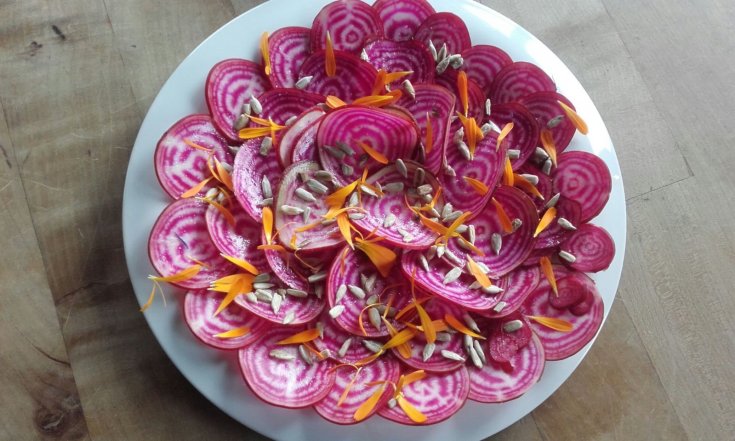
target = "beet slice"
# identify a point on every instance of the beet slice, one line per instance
(482, 63)
(560, 345)
(544, 106)
(519, 79)
(291, 136)
(525, 133)
(486, 167)
(535, 256)
(438, 103)
(199, 309)
(350, 23)
(387, 369)
(334, 337)
(436, 363)
(592, 247)
(382, 130)
(504, 345)
(230, 84)
(394, 56)
(179, 239)
(288, 48)
(354, 78)
(496, 383)
(179, 167)
(322, 237)
(305, 147)
(438, 396)
(554, 234)
(290, 270)
(280, 105)
(355, 264)
(585, 305)
(284, 383)
(402, 18)
(406, 231)
(475, 95)
(571, 290)
(516, 246)
(544, 185)
(516, 285)
(445, 27)
(240, 240)
(584, 178)
(247, 176)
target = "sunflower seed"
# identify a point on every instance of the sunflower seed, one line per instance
(347, 170)
(389, 220)
(303, 82)
(419, 176)
(458, 136)
(262, 285)
(255, 105)
(442, 52)
(318, 277)
(449, 171)
(372, 346)
(336, 311)
(370, 282)
(483, 267)
(304, 195)
(227, 167)
(405, 235)
(320, 327)
(264, 295)
(401, 167)
(289, 317)
(291, 210)
(265, 202)
(452, 275)
(492, 289)
(555, 121)
(353, 201)
(442, 65)
(245, 109)
(341, 291)
(533, 179)
(443, 337)
(368, 191)
(488, 107)
(540, 154)
(564, 223)
(475, 357)
(393, 187)
(447, 209)
(427, 197)
(471, 234)
(265, 186)
(345, 347)
(431, 252)
(552, 202)
(305, 355)
(374, 317)
(516, 224)
(276, 303)
(373, 299)
(464, 150)
(251, 297)
(470, 322)
(291, 120)
(319, 291)
(569, 257)
(500, 306)
(451, 257)
(512, 326)
(514, 153)
(428, 351)
(546, 168)
(357, 216)
(296, 292)
(424, 189)
(456, 61)
(345, 148)
(408, 87)
(316, 186)
(440, 251)
(282, 354)
(324, 175)
(305, 216)
(432, 49)
(452, 355)
(211, 194)
(467, 340)
(424, 263)
(356, 291)
(364, 55)
(462, 229)
(496, 243)
(241, 122)
(234, 150)
(475, 285)
(451, 217)
(335, 152)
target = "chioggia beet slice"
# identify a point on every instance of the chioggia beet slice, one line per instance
(555, 234)
(350, 23)
(290, 140)
(482, 63)
(354, 78)
(404, 56)
(288, 48)
(402, 18)
(507, 336)
(591, 247)
(525, 133)
(240, 240)
(334, 341)
(583, 177)
(445, 27)
(544, 106)
(516, 285)
(518, 80)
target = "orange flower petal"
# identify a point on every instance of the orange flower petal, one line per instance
(475, 270)
(547, 142)
(574, 117)
(242, 263)
(185, 274)
(333, 102)
(264, 52)
(366, 408)
(414, 414)
(301, 337)
(526, 185)
(459, 326)
(376, 155)
(545, 221)
(330, 63)
(553, 323)
(463, 94)
(503, 134)
(503, 216)
(344, 227)
(383, 258)
(548, 271)
(478, 186)
(508, 177)
(429, 141)
(193, 191)
(426, 324)
(234, 333)
(197, 146)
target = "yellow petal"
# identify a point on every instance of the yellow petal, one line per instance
(553, 323)
(343, 397)
(383, 258)
(526, 185)
(503, 216)
(224, 211)
(426, 324)
(463, 94)
(194, 145)
(376, 155)
(264, 52)
(478, 186)
(254, 132)
(574, 117)
(548, 271)
(366, 408)
(242, 263)
(330, 64)
(402, 337)
(414, 414)
(223, 175)
(301, 337)
(337, 199)
(508, 177)
(545, 221)
(268, 224)
(344, 227)
(241, 286)
(429, 142)
(234, 333)
(459, 326)
(547, 142)
(503, 133)
(333, 102)
(193, 191)
(395, 76)
(185, 274)
(476, 271)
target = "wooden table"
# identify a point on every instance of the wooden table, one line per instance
(77, 360)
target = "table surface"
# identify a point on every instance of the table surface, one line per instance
(77, 360)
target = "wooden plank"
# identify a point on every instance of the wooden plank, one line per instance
(37, 391)
(523, 430)
(241, 6)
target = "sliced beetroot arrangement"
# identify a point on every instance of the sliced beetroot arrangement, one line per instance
(230, 86)
(180, 165)
(590, 249)
(584, 178)
(400, 227)
(213, 329)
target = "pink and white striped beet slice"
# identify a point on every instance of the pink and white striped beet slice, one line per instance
(536, 254)
(475, 96)
(482, 63)
(386, 369)
(284, 383)
(247, 176)
(444, 27)
(554, 234)
(571, 290)
(280, 105)
(402, 18)
(293, 272)
(334, 336)
(355, 264)
(230, 84)
(305, 147)
(498, 383)
(518, 80)
(406, 232)
(438, 396)
(350, 23)
(288, 48)
(354, 78)
(291, 136)
(179, 167)
(516, 246)
(438, 103)
(544, 106)
(583, 177)
(525, 133)
(560, 345)
(486, 167)
(383, 130)
(503, 345)
(179, 239)
(436, 363)
(322, 237)
(432, 281)
(240, 240)
(516, 285)
(404, 56)
(592, 248)
(199, 309)
(544, 185)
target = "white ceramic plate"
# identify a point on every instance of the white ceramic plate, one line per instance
(215, 373)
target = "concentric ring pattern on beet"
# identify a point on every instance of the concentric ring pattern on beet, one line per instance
(383, 218)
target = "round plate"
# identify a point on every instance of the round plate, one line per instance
(216, 373)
